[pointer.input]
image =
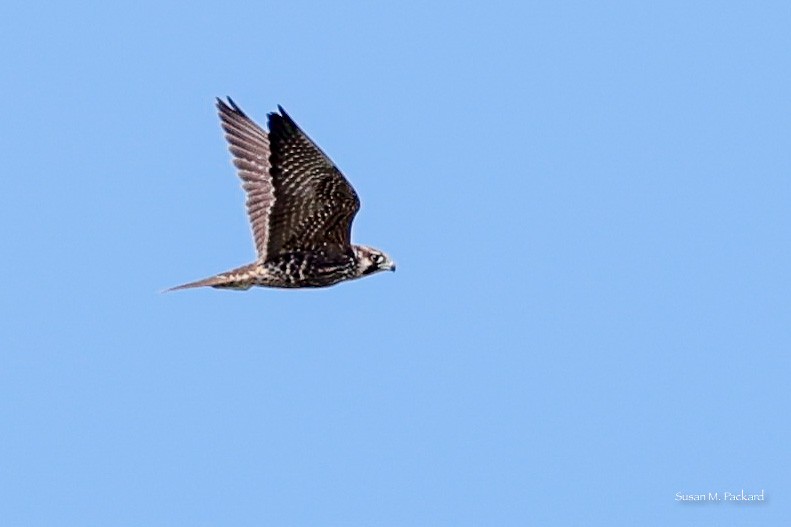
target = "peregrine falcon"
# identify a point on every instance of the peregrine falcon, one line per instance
(300, 207)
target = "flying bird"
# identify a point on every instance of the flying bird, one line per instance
(300, 207)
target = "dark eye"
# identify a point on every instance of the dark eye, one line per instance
(376, 258)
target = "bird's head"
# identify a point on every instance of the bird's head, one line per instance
(370, 260)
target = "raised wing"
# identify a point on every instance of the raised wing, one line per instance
(314, 203)
(250, 147)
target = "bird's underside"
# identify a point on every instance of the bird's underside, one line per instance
(294, 269)
(300, 207)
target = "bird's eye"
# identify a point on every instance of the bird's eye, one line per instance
(376, 258)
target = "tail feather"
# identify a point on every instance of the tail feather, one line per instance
(236, 279)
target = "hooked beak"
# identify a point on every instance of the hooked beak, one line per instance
(389, 265)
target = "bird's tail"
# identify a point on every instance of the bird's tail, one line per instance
(239, 279)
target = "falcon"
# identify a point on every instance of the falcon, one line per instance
(300, 207)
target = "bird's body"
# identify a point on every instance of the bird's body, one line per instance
(300, 207)
(317, 268)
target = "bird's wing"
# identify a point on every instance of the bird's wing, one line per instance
(250, 147)
(314, 203)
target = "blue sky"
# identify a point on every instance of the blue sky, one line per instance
(588, 203)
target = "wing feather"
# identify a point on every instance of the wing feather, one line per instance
(249, 145)
(297, 199)
(315, 204)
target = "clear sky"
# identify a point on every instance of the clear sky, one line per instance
(588, 203)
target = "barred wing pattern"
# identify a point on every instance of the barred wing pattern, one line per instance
(314, 203)
(249, 145)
